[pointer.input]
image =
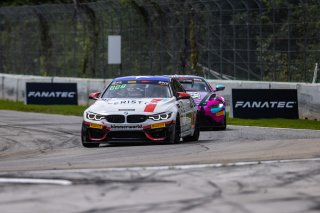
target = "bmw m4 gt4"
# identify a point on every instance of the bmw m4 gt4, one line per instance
(140, 109)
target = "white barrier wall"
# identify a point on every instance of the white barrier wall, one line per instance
(12, 87)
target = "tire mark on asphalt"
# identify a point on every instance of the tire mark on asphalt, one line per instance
(293, 177)
(315, 206)
(10, 145)
(206, 148)
(173, 206)
(37, 140)
(48, 130)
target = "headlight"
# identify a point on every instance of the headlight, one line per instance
(161, 116)
(94, 116)
(220, 105)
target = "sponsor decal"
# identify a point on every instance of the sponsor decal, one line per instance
(193, 120)
(166, 124)
(46, 94)
(198, 79)
(116, 102)
(220, 113)
(195, 95)
(115, 126)
(118, 86)
(130, 102)
(116, 82)
(96, 126)
(158, 125)
(51, 93)
(163, 83)
(265, 103)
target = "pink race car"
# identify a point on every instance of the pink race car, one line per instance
(211, 107)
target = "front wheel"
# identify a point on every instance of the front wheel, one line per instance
(224, 126)
(174, 137)
(90, 145)
(84, 141)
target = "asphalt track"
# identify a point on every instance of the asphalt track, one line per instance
(43, 168)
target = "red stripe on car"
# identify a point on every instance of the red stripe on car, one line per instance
(152, 105)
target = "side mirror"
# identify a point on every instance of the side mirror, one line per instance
(219, 87)
(183, 95)
(94, 95)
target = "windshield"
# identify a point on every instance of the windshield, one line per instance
(195, 85)
(137, 89)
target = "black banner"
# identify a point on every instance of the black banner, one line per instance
(265, 103)
(51, 93)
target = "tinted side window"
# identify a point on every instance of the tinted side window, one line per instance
(210, 87)
(177, 86)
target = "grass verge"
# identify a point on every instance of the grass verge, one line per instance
(50, 109)
(78, 111)
(276, 122)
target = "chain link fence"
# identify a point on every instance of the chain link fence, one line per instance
(276, 40)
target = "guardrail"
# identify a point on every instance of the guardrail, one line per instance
(12, 87)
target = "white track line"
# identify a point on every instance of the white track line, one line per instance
(279, 128)
(35, 181)
(180, 167)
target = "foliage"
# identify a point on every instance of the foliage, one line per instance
(32, 2)
(278, 41)
(289, 46)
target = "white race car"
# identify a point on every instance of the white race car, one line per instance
(140, 109)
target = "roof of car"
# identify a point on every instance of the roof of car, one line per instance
(144, 78)
(187, 77)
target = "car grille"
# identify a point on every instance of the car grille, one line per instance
(115, 118)
(136, 118)
(96, 133)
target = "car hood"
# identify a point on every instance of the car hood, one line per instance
(132, 106)
(197, 96)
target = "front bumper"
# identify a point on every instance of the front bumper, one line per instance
(211, 120)
(106, 135)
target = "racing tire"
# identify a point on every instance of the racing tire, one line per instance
(224, 126)
(196, 134)
(174, 137)
(87, 144)
(90, 145)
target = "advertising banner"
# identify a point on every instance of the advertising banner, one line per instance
(265, 103)
(51, 93)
